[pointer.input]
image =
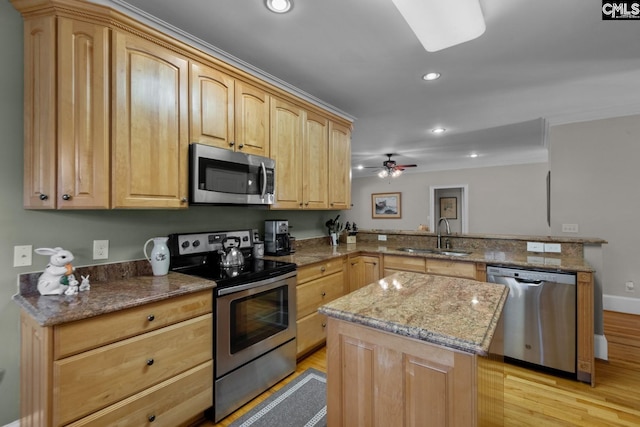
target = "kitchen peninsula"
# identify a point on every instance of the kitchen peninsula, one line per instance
(416, 349)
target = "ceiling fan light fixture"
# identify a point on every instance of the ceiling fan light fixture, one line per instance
(440, 24)
(279, 6)
(396, 173)
(383, 173)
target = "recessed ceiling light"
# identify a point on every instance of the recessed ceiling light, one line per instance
(473, 155)
(431, 76)
(438, 130)
(360, 167)
(279, 6)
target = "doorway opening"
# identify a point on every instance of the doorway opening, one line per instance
(451, 201)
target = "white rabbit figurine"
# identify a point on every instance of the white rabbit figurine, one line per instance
(72, 289)
(55, 278)
(84, 285)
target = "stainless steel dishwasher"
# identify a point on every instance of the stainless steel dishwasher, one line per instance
(539, 316)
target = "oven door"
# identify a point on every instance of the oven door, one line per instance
(253, 319)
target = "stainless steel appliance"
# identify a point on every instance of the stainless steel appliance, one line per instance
(219, 176)
(255, 314)
(276, 237)
(539, 316)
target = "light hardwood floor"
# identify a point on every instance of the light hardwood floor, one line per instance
(533, 398)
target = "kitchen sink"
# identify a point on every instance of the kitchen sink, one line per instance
(450, 252)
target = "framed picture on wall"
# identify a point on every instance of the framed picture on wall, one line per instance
(449, 207)
(386, 205)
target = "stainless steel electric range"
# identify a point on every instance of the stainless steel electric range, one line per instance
(255, 312)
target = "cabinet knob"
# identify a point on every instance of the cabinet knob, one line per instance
(306, 204)
(151, 318)
(66, 197)
(322, 269)
(301, 204)
(184, 200)
(43, 197)
(324, 294)
(324, 325)
(151, 418)
(232, 143)
(150, 362)
(240, 146)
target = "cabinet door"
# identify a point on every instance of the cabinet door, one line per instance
(286, 150)
(339, 166)
(83, 115)
(150, 130)
(370, 269)
(39, 113)
(315, 162)
(252, 120)
(212, 107)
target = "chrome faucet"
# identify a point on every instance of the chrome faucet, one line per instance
(446, 221)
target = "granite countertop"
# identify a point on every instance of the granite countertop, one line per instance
(456, 313)
(319, 253)
(116, 287)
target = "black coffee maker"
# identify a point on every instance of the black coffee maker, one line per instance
(276, 237)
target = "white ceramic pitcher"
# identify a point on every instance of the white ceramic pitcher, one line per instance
(159, 257)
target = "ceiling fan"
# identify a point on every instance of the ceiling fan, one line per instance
(390, 168)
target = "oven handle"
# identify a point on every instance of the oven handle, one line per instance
(264, 180)
(246, 286)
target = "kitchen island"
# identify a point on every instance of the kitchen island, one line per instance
(416, 349)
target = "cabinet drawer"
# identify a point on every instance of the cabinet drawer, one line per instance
(320, 269)
(98, 378)
(75, 337)
(405, 263)
(312, 295)
(451, 268)
(170, 403)
(312, 331)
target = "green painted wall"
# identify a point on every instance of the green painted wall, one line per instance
(126, 230)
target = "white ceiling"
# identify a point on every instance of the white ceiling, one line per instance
(539, 62)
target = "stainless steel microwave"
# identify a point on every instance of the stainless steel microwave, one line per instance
(219, 176)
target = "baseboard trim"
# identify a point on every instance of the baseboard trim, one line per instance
(621, 304)
(601, 348)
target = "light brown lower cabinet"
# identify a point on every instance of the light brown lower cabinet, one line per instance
(152, 363)
(379, 379)
(318, 284)
(440, 267)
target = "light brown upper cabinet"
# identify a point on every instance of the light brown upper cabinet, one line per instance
(66, 120)
(150, 124)
(339, 166)
(286, 149)
(227, 113)
(300, 147)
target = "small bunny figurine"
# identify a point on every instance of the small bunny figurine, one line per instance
(55, 279)
(85, 285)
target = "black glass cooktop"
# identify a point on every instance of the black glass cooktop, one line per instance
(252, 271)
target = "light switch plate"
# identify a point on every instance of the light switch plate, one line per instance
(535, 247)
(382, 237)
(22, 255)
(553, 247)
(570, 228)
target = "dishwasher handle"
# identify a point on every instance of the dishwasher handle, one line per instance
(529, 282)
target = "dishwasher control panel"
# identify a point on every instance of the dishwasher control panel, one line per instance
(532, 275)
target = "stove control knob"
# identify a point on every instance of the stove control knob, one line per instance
(185, 244)
(196, 243)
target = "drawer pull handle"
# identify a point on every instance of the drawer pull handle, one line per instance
(324, 294)
(151, 318)
(152, 418)
(150, 362)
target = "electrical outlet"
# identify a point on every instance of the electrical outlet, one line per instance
(553, 247)
(382, 237)
(100, 249)
(569, 228)
(629, 287)
(535, 247)
(22, 255)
